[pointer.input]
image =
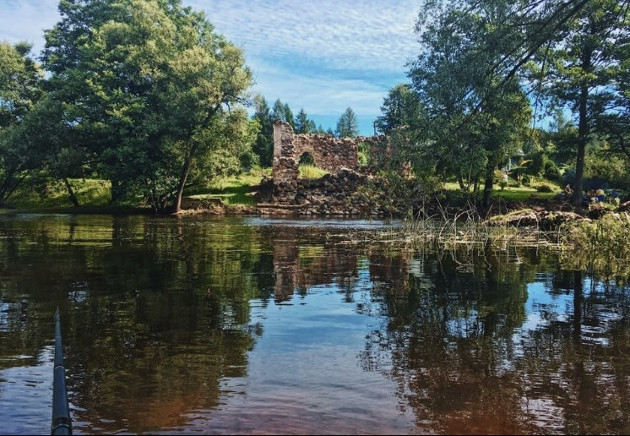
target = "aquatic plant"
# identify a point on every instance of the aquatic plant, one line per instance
(600, 247)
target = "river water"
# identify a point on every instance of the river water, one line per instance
(266, 326)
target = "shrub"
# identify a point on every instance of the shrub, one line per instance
(552, 172)
(544, 188)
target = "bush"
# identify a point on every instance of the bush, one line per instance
(544, 188)
(552, 172)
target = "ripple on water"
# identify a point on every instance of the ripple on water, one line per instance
(26, 396)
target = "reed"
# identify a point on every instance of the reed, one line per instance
(600, 247)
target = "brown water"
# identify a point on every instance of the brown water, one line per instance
(258, 326)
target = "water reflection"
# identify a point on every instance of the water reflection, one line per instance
(229, 325)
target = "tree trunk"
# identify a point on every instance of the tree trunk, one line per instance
(117, 191)
(71, 195)
(462, 186)
(583, 129)
(177, 204)
(488, 185)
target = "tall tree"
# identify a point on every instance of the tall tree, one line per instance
(21, 81)
(347, 125)
(400, 108)
(143, 81)
(582, 68)
(473, 119)
(282, 111)
(303, 124)
(263, 146)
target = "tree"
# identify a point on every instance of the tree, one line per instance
(400, 108)
(21, 81)
(347, 125)
(142, 87)
(229, 148)
(473, 120)
(282, 112)
(303, 124)
(583, 68)
(263, 146)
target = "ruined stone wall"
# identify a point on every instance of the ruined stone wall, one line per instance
(335, 193)
(328, 152)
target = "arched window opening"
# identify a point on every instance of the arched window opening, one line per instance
(308, 167)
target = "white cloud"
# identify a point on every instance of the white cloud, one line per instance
(343, 34)
(26, 20)
(323, 55)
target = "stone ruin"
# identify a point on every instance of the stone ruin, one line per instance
(335, 192)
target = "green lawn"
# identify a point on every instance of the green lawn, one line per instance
(235, 189)
(513, 193)
(53, 194)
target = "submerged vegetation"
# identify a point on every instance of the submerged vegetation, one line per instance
(601, 246)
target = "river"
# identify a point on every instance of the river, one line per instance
(248, 325)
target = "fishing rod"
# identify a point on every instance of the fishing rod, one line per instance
(61, 422)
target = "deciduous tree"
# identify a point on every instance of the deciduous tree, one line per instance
(143, 82)
(21, 80)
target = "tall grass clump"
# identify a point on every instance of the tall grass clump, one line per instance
(309, 171)
(601, 247)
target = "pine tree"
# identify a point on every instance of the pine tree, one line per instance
(347, 126)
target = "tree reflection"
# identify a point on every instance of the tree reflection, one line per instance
(156, 317)
(166, 302)
(456, 342)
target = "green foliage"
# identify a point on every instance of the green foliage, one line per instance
(303, 124)
(473, 120)
(582, 67)
(551, 172)
(363, 154)
(45, 193)
(306, 159)
(21, 81)
(537, 163)
(400, 108)
(600, 247)
(347, 125)
(145, 90)
(608, 167)
(282, 111)
(263, 145)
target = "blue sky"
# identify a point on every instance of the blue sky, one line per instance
(323, 56)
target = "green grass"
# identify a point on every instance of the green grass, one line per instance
(53, 194)
(522, 193)
(249, 179)
(308, 171)
(514, 193)
(235, 190)
(95, 194)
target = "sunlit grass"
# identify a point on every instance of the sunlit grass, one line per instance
(308, 171)
(53, 194)
(522, 193)
(513, 193)
(235, 190)
(248, 179)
